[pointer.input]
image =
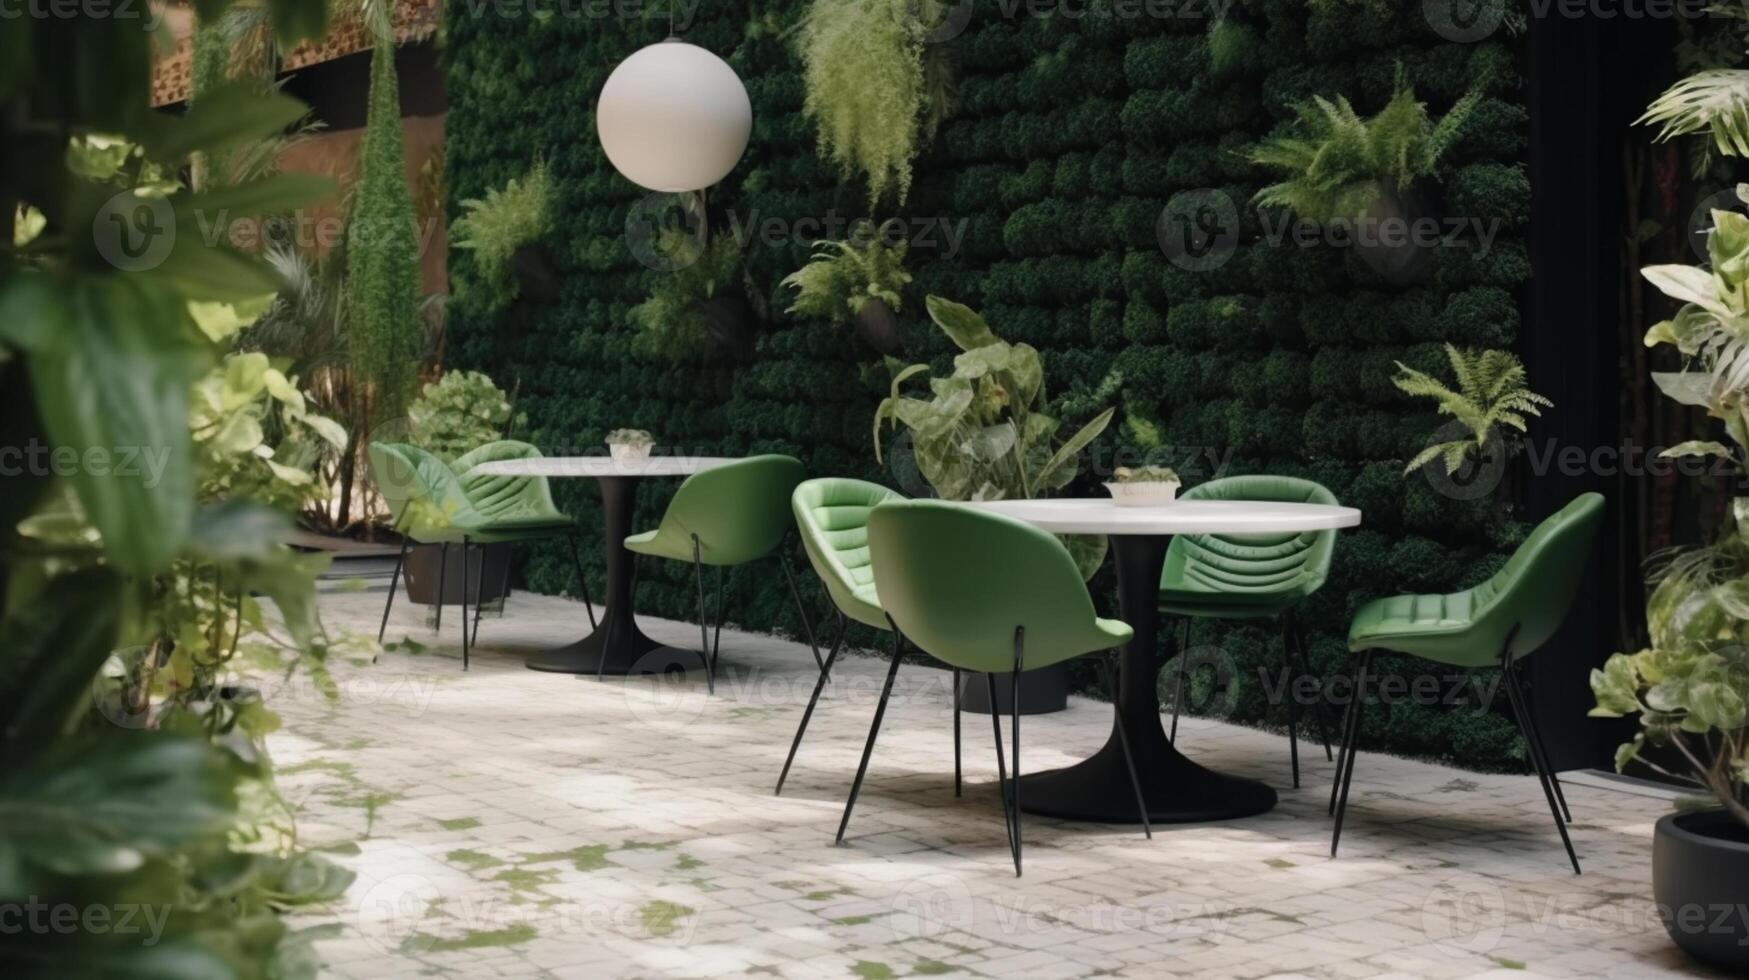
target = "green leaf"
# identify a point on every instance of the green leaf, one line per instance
(1686, 387)
(1088, 550)
(114, 389)
(1696, 447)
(104, 805)
(962, 325)
(218, 120)
(49, 652)
(1052, 474)
(1687, 284)
(220, 206)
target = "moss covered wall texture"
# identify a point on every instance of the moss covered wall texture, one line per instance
(1071, 139)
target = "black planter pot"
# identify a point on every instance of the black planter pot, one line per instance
(876, 323)
(732, 322)
(1384, 238)
(421, 572)
(532, 265)
(1041, 691)
(1700, 880)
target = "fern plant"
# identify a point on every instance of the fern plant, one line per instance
(506, 219)
(876, 89)
(1491, 396)
(845, 275)
(1716, 101)
(674, 321)
(1337, 162)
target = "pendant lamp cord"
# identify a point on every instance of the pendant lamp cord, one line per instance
(670, 18)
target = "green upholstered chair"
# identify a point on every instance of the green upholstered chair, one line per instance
(433, 505)
(728, 515)
(1250, 577)
(985, 593)
(1498, 623)
(832, 516)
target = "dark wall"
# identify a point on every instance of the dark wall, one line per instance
(1072, 139)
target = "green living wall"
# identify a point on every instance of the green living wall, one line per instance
(1070, 137)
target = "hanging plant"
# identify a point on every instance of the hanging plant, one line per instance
(876, 88)
(697, 306)
(503, 232)
(860, 279)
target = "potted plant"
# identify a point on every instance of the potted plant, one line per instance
(861, 279)
(503, 231)
(699, 306)
(629, 445)
(986, 433)
(459, 412)
(1143, 486)
(877, 88)
(1367, 173)
(1489, 407)
(1690, 685)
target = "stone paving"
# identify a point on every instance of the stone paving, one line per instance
(518, 824)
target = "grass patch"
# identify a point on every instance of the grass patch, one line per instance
(420, 942)
(472, 860)
(869, 970)
(585, 857)
(459, 823)
(1506, 963)
(526, 879)
(687, 862)
(659, 917)
(931, 968)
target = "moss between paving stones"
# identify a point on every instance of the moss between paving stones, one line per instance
(1070, 137)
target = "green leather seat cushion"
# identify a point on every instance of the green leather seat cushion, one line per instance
(832, 514)
(1247, 576)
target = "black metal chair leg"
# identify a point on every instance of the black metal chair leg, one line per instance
(808, 712)
(717, 628)
(480, 589)
(704, 633)
(1535, 738)
(1001, 765)
(873, 730)
(1342, 747)
(1519, 713)
(1293, 706)
(582, 580)
(394, 583)
(1178, 695)
(1352, 748)
(465, 644)
(1014, 732)
(1318, 707)
(796, 594)
(1123, 740)
(442, 582)
(954, 696)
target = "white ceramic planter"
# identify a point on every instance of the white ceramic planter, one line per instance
(1144, 494)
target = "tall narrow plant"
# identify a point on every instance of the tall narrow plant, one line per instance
(386, 335)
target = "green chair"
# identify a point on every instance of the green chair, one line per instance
(985, 593)
(434, 506)
(1497, 623)
(728, 515)
(832, 516)
(1250, 577)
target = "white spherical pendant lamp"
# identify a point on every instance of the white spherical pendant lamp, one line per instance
(674, 117)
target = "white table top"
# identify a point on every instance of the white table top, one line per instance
(600, 466)
(1102, 516)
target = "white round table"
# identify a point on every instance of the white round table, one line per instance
(616, 646)
(1175, 788)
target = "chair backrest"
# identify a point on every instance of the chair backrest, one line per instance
(832, 516)
(957, 581)
(1535, 588)
(505, 497)
(418, 487)
(740, 511)
(1278, 564)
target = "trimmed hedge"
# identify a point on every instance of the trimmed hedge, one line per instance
(1070, 137)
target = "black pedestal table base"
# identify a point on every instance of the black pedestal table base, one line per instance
(1176, 789)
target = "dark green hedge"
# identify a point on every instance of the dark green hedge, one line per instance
(1071, 136)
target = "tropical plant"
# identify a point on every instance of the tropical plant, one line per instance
(845, 275)
(508, 218)
(1336, 163)
(674, 321)
(1491, 397)
(876, 88)
(630, 437)
(154, 801)
(1144, 474)
(459, 412)
(986, 432)
(1715, 101)
(386, 336)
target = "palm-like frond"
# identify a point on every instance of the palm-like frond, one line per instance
(1716, 100)
(1491, 394)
